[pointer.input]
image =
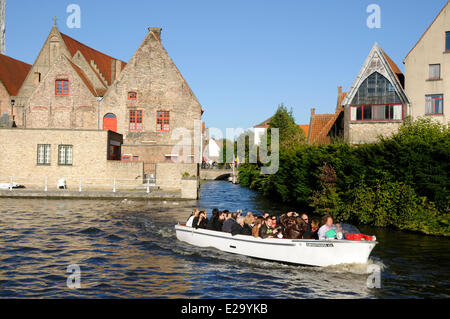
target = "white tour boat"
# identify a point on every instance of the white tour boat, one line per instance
(303, 252)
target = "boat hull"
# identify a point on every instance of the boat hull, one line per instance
(301, 252)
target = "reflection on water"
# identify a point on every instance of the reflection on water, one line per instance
(129, 250)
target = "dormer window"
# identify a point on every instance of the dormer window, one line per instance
(132, 96)
(62, 87)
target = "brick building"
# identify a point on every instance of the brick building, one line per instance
(33, 157)
(72, 86)
(376, 104)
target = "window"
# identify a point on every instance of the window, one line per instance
(376, 90)
(435, 71)
(43, 154)
(130, 158)
(132, 96)
(377, 112)
(171, 158)
(65, 155)
(434, 104)
(447, 41)
(135, 120)
(62, 87)
(163, 121)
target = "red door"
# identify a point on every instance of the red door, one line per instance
(110, 122)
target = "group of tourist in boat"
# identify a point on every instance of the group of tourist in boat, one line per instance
(291, 225)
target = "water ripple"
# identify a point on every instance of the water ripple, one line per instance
(131, 251)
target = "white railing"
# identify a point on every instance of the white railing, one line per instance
(77, 183)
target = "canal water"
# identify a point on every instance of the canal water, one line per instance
(129, 250)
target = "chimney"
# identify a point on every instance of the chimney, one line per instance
(113, 70)
(339, 90)
(118, 68)
(156, 31)
(313, 112)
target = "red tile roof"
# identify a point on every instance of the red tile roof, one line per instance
(305, 129)
(12, 73)
(395, 69)
(318, 123)
(84, 79)
(102, 60)
(321, 124)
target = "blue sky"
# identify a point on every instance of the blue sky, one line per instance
(241, 58)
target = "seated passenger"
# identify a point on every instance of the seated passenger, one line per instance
(200, 222)
(308, 232)
(219, 222)
(257, 225)
(228, 223)
(266, 230)
(239, 229)
(315, 229)
(192, 217)
(327, 222)
(295, 228)
(213, 220)
(248, 223)
(274, 222)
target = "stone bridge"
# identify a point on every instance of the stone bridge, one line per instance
(218, 174)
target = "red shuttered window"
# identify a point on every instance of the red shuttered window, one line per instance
(162, 121)
(62, 87)
(135, 121)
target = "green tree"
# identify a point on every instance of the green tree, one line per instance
(291, 135)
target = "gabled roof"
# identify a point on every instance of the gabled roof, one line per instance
(264, 124)
(84, 78)
(395, 69)
(12, 73)
(103, 61)
(321, 125)
(378, 61)
(428, 29)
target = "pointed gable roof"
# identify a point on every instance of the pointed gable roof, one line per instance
(84, 78)
(395, 69)
(12, 73)
(103, 61)
(264, 124)
(321, 125)
(378, 61)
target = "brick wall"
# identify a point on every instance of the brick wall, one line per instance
(160, 87)
(48, 110)
(368, 132)
(90, 164)
(170, 175)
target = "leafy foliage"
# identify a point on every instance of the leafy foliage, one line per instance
(401, 181)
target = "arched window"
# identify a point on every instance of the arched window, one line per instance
(110, 122)
(376, 89)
